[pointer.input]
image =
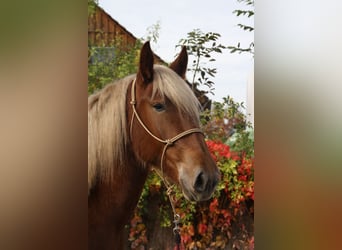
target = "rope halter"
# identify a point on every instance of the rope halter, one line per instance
(167, 142)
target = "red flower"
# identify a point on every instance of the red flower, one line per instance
(202, 228)
(213, 205)
(220, 150)
(242, 178)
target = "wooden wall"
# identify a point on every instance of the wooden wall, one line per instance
(103, 30)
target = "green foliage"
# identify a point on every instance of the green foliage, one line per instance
(201, 47)
(91, 6)
(116, 60)
(108, 63)
(153, 32)
(248, 13)
(224, 119)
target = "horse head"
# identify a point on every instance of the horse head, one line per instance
(164, 126)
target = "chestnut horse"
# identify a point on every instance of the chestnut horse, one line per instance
(150, 119)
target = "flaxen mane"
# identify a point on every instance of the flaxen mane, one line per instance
(107, 121)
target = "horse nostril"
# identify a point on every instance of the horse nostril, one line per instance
(205, 184)
(215, 182)
(200, 183)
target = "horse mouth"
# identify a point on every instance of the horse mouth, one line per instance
(195, 196)
(190, 196)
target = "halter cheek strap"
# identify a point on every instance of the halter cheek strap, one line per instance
(167, 142)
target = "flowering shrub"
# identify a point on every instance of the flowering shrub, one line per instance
(237, 171)
(226, 220)
(137, 234)
(221, 220)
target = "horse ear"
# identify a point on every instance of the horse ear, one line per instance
(180, 64)
(145, 72)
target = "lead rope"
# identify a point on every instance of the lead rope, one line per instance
(167, 142)
(176, 217)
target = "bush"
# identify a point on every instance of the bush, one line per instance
(109, 63)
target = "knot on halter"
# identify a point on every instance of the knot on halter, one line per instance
(133, 102)
(168, 142)
(169, 190)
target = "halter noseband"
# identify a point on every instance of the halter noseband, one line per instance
(167, 142)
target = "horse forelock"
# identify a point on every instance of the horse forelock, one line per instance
(167, 83)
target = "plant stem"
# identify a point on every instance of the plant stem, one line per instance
(196, 69)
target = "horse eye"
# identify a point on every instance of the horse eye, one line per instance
(159, 107)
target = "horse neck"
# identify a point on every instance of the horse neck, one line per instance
(111, 204)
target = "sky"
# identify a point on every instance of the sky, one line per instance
(177, 18)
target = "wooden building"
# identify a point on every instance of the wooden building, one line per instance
(104, 31)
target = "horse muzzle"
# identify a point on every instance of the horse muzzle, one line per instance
(201, 187)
